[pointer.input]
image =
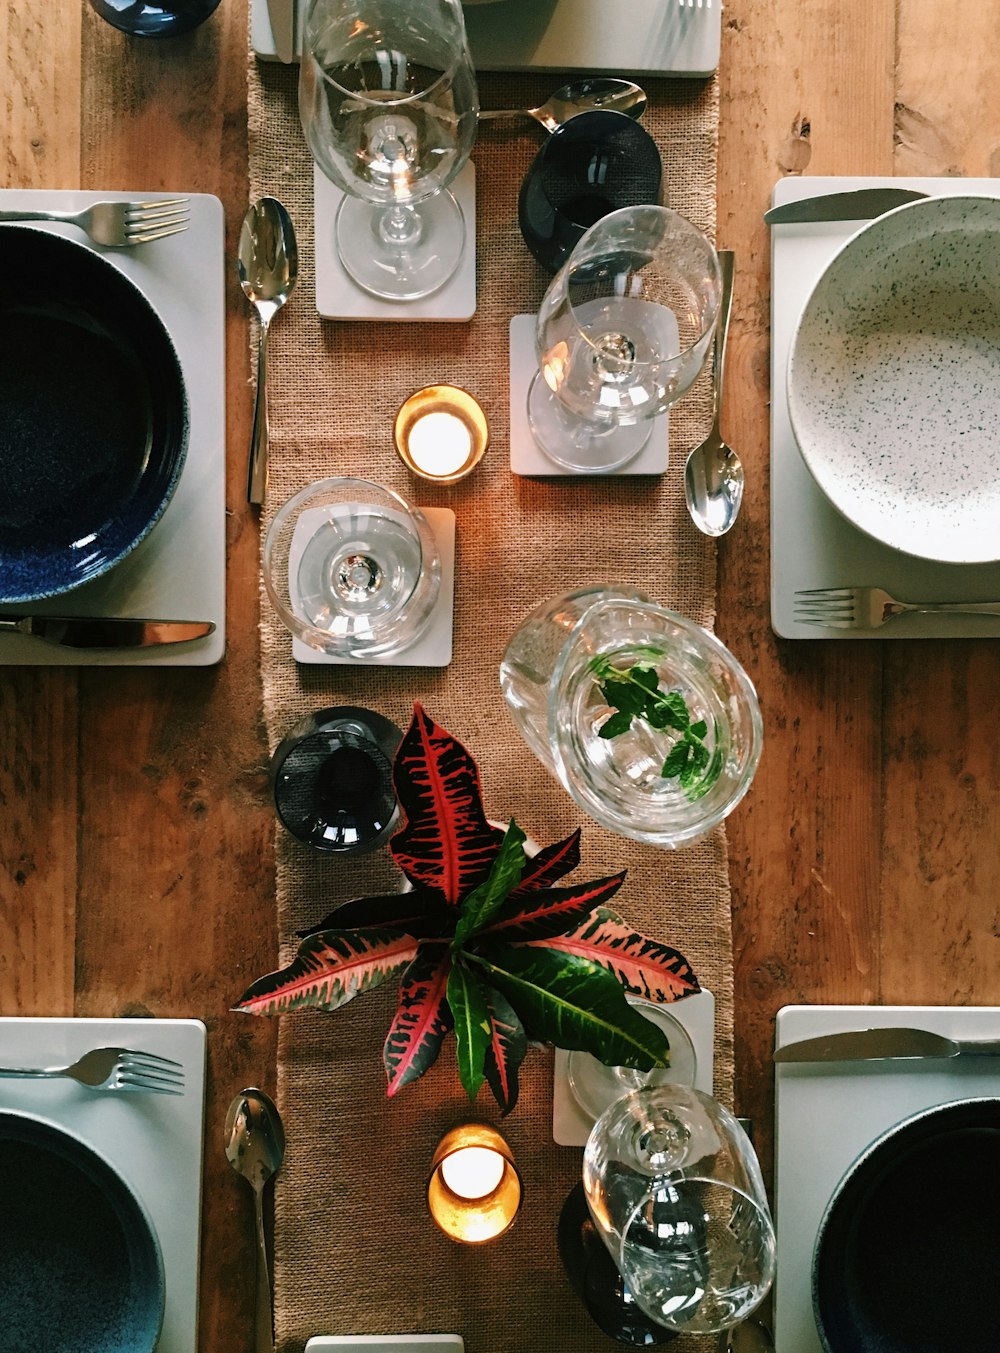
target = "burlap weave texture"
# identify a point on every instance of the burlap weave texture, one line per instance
(355, 1249)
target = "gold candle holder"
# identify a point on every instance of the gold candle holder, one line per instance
(441, 433)
(474, 1191)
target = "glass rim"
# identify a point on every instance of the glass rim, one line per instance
(461, 54)
(321, 640)
(563, 280)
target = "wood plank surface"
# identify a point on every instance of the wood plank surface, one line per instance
(135, 851)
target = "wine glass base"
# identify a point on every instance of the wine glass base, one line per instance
(526, 457)
(571, 444)
(414, 268)
(339, 297)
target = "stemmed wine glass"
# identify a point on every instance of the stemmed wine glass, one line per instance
(623, 331)
(675, 1191)
(389, 106)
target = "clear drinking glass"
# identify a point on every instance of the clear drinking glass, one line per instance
(548, 679)
(623, 331)
(595, 1086)
(675, 1190)
(389, 106)
(352, 569)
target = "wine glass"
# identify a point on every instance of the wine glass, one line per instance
(557, 697)
(595, 1086)
(388, 102)
(675, 1190)
(352, 569)
(623, 331)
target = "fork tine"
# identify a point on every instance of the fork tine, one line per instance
(154, 1070)
(147, 1056)
(137, 1083)
(158, 204)
(147, 236)
(150, 217)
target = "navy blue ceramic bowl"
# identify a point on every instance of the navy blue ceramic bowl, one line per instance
(93, 416)
(80, 1265)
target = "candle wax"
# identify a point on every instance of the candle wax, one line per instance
(439, 443)
(473, 1172)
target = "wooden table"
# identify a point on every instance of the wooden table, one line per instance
(135, 851)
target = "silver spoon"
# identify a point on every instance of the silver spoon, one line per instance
(255, 1148)
(268, 266)
(713, 475)
(581, 96)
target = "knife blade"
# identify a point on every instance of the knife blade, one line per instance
(862, 204)
(99, 632)
(282, 16)
(869, 1045)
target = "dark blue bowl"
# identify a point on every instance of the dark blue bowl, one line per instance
(93, 416)
(80, 1265)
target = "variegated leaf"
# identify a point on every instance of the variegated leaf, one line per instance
(551, 912)
(574, 1003)
(329, 970)
(642, 965)
(550, 864)
(505, 1050)
(422, 1019)
(421, 913)
(445, 842)
(483, 903)
(472, 1026)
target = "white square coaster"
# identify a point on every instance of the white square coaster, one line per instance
(389, 1343)
(526, 457)
(433, 648)
(338, 297)
(571, 1123)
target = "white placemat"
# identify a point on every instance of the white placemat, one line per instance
(179, 571)
(812, 545)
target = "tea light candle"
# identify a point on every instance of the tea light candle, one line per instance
(441, 433)
(474, 1191)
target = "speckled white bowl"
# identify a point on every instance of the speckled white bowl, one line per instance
(894, 379)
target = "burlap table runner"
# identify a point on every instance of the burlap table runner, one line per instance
(355, 1251)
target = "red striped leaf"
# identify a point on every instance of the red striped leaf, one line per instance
(643, 966)
(421, 913)
(505, 1050)
(551, 912)
(446, 842)
(329, 970)
(422, 1019)
(550, 864)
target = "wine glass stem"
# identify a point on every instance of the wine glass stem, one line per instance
(400, 225)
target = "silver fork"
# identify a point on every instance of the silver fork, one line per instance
(866, 608)
(118, 224)
(113, 1069)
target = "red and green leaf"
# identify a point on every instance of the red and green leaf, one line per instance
(574, 1003)
(505, 1050)
(642, 965)
(421, 913)
(550, 864)
(422, 1019)
(551, 912)
(445, 843)
(482, 904)
(467, 1000)
(329, 970)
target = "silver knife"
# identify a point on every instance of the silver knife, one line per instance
(859, 205)
(870, 1045)
(282, 16)
(86, 632)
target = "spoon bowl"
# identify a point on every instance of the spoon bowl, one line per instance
(268, 267)
(713, 474)
(255, 1148)
(579, 96)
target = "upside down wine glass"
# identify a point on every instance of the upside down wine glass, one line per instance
(388, 103)
(623, 331)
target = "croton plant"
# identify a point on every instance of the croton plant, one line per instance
(484, 942)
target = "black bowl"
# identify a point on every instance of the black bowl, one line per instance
(93, 416)
(80, 1266)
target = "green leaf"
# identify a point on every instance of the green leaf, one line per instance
(677, 705)
(484, 902)
(677, 761)
(699, 729)
(624, 695)
(618, 723)
(645, 677)
(473, 1026)
(574, 1003)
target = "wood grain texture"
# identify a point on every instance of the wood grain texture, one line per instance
(135, 847)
